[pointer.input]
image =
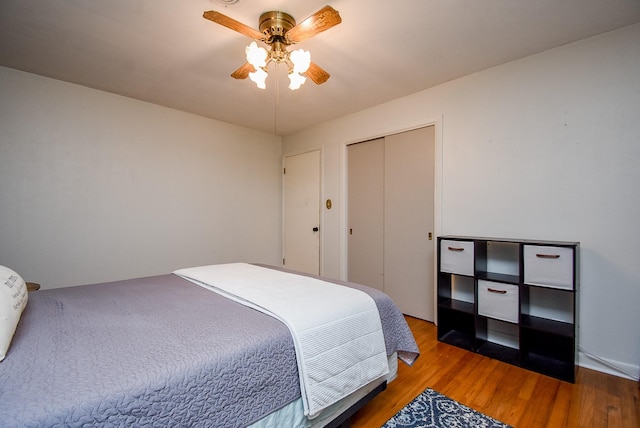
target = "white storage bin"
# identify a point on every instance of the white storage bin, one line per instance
(548, 266)
(456, 257)
(498, 300)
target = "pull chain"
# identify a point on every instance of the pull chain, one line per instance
(275, 106)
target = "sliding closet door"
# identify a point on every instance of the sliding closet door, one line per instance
(365, 166)
(409, 221)
(391, 218)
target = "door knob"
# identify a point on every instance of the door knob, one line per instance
(315, 229)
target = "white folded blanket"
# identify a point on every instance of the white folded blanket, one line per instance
(336, 329)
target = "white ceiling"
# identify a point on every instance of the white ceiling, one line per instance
(164, 52)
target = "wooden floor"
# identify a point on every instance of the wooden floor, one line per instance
(515, 396)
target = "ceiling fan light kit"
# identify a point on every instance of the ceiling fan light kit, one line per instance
(279, 30)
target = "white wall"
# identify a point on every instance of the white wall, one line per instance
(98, 187)
(546, 147)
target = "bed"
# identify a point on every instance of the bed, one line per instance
(167, 351)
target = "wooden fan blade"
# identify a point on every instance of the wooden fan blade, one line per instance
(320, 21)
(317, 74)
(243, 71)
(231, 23)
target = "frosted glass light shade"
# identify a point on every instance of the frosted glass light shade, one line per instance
(296, 80)
(256, 56)
(301, 60)
(259, 77)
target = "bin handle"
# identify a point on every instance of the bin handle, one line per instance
(548, 256)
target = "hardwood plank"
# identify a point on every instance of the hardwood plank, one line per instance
(540, 407)
(516, 396)
(559, 415)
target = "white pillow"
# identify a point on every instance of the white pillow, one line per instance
(13, 299)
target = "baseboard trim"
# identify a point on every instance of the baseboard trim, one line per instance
(605, 365)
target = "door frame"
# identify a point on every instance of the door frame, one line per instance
(320, 196)
(436, 122)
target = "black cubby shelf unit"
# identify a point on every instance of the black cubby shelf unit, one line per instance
(510, 299)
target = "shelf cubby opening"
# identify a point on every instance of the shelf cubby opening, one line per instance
(547, 325)
(457, 305)
(498, 339)
(548, 303)
(462, 288)
(498, 261)
(456, 293)
(548, 345)
(456, 328)
(497, 331)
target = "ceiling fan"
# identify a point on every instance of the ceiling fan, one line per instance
(279, 30)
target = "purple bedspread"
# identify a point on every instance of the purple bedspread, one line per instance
(156, 351)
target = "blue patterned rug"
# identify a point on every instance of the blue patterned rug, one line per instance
(432, 409)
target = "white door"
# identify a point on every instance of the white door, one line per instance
(365, 205)
(409, 221)
(302, 212)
